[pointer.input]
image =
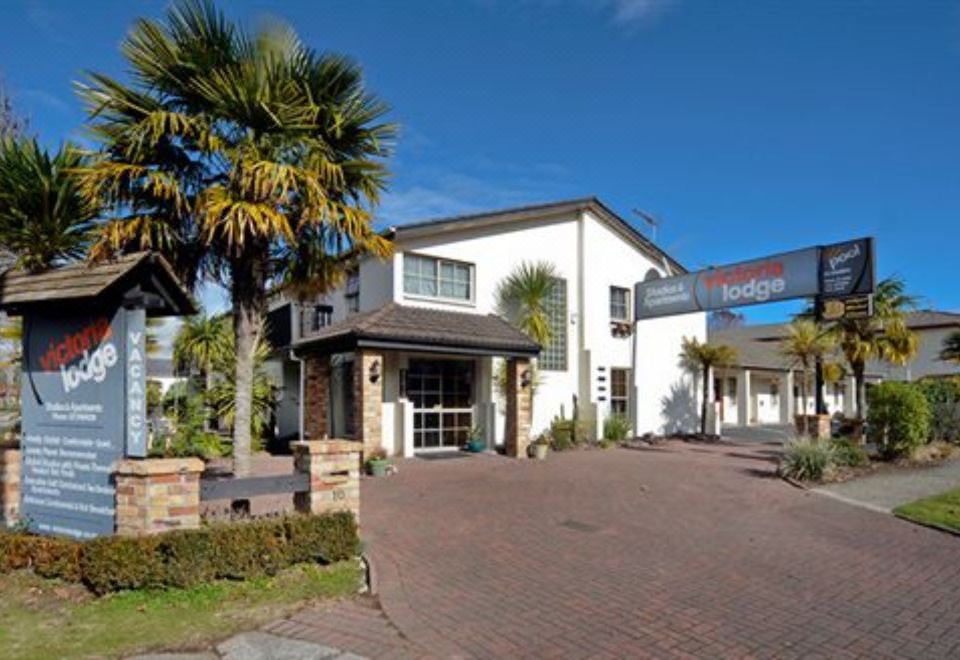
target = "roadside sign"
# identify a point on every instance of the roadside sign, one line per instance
(856, 307)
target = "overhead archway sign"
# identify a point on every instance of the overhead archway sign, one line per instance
(840, 270)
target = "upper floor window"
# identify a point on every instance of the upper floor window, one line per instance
(352, 292)
(437, 278)
(619, 304)
(553, 357)
(314, 317)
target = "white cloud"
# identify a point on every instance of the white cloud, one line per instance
(636, 11)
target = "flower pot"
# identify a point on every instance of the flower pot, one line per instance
(540, 451)
(476, 445)
(377, 467)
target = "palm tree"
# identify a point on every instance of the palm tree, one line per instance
(804, 344)
(248, 158)
(704, 357)
(951, 347)
(884, 336)
(44, 221)
(203, 343)
(523, 297)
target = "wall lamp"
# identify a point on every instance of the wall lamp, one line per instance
(375, 371)
(525, 378)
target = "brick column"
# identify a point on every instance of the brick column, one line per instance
(368, 400)
(11, 461)
(316, 396)
(157, 495)
(519, 408)
(334, 469)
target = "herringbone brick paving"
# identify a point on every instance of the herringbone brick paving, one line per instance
(681, 551)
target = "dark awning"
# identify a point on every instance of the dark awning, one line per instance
(143, 274)
(422, 330)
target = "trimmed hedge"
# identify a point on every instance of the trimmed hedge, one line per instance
(943, 397)
(185, 558)
(898, 418)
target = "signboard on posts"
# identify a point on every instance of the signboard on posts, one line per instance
(832, 271)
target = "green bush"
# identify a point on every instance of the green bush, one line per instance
(563, 434)
(898, 418)
(616, 428)
(849, 453)
(943, 397)
(807, 460)
(185, 558)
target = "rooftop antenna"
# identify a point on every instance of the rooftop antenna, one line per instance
(651, 221)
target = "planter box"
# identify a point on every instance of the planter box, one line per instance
(818, 426)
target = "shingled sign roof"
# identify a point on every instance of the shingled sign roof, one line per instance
(80, 283)
(418, 328)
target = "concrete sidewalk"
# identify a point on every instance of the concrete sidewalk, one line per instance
(884, 492)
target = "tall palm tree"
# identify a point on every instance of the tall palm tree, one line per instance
(44, 221)
(803, 345)
(202, 343)
(883, 336)
(246, 157)
(703, 357)
(951, 347)
(523, 297)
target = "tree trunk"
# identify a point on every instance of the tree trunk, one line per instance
(249, 310)
(805, 427)
(207, 387)
(705, 402)
(858, 369)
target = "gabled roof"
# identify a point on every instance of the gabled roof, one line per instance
(80, 283)
(535, 212)
(419, 328)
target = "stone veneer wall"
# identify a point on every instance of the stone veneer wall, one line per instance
(316, 396)
(519, 409)
(368, 400)
(11, 461)
(334, 469)
(157, 495)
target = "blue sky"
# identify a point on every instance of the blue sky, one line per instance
(747, 127)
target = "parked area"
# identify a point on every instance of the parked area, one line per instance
(683, 549)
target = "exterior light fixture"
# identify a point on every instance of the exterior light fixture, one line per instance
(375, 371)
(525, 378)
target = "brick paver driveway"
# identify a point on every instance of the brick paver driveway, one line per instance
(686, 550)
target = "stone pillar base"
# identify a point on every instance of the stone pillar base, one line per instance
(10, 466)
(157, 495)
(334, 469)
(519, 407)
(818, 426)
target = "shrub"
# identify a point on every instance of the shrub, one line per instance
(563, 434)
(807, 460)
(898, 418)
(185, 558)
(943, 397)
(616, 427)
(849, 453)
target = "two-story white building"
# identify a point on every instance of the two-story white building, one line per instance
(407, 355)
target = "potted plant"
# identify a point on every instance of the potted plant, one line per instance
(475, 440)
(377, 462)
(540, 447)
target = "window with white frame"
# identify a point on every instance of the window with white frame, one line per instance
(437, 278)
(553, 357)
(619, 303)
(619, 390)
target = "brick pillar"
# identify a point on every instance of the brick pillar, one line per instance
(334, 469)
(519, 408)
(368, 400)
(316, 396)
(157, 495)
(10, 465)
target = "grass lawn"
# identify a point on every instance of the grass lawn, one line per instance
(941, 510)
(49, 619)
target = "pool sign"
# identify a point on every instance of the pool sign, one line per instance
(83, 398)
(832, 271)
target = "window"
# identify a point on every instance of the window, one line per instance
(619, 303)
(437, 278)
(314, 317)
(553, 357)
(619, 390)
(352, 293)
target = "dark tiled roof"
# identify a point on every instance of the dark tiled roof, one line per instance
(82, 282)
(401, 326)
(534, 211)
(930, 318)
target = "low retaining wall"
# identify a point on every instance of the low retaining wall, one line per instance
(157, 495)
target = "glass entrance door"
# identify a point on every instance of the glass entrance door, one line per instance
(442, 395)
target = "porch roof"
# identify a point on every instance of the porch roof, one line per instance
(401, 327)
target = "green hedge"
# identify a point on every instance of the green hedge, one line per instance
(898, 418)
(943, 397)
(188, 557)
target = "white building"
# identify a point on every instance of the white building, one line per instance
(406, 354)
